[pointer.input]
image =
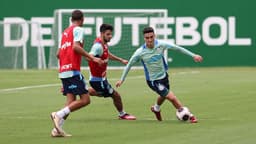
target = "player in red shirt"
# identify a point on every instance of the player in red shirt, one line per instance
(69, 55)
(98, 73)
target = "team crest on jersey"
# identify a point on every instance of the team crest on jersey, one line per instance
(159, 49)
(161, 87)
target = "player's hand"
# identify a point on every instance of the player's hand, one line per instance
(123, 61)
(119, 83)
(98, 60)
(198, 58)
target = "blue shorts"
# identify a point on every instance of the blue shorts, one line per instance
(161, 86)
(103, 88)
(74, 85)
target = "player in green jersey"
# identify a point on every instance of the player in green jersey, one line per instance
(155, 68)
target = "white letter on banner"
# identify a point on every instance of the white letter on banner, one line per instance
(118, 32)
(221, 22)
(163, 31)
(37, 31)
(22, 31)
(232, 34)
(135, 22)
(190, 30)
(89, 21)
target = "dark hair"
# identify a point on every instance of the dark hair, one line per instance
(105, 27)
(77, 15)
(148, 30)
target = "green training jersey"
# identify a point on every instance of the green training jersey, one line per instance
(153, 60)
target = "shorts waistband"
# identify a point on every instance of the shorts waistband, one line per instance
(68, 74)
(93, 78)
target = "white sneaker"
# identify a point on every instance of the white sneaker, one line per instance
(54, 133)
(57, 120)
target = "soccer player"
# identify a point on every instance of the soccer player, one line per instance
(155, 68)
(69, 55)
(98, 73)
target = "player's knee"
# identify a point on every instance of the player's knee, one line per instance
(85, 102)
(171, 97)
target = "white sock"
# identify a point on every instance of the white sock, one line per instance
(63, 112)
(121, 113)
(62, 122)
(157, 107)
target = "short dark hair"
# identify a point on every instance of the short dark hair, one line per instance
(105, 27)
(77, 15)
(148, 30)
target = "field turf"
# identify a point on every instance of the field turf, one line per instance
(223, 99)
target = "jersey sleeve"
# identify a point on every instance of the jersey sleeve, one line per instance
(173, 46)
(135, 58)
(96, 50)
(78, 34)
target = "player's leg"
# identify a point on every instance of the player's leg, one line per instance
(54, 132)
(156, 108)
(174, 100)
(178, 105)
(72, 86)
(93, 92)
(161, 87)
(108, 91)
(58, 118)
(104, 89)
(72, 105)
(69, 100)
(82, 102)
(117, 100)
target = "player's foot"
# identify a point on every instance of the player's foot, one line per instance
(127, 117)
(193, 119)
(56, 121)
(157, 114)
(55, 133)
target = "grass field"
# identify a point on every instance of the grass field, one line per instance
(223, 99)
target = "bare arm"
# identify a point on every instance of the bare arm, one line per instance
(116, 58)
(58, 53)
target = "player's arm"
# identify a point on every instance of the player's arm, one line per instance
(135, 58)
(196, 57)
(116, 58)
(79, 50)
(78, 39)
(58, 53)
(97, 51)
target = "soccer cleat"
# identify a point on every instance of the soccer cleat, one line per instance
(56, 120)
(127, 117)
(193, 119)
(157, 114)
(54, 133)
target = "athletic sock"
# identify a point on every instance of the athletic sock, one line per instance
(122, 113)
(157, 107)
(62, 122)
(63, 112)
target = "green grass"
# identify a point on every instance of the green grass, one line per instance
(222, 98)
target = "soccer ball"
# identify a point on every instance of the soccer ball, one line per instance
(183, 114)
